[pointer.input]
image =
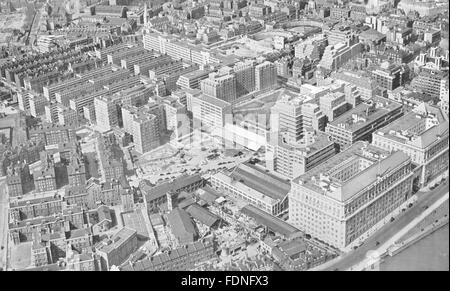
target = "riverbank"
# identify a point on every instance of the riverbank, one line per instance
(431, 253)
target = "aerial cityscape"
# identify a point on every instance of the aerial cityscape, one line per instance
(224, 135)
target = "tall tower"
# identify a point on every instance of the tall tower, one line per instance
(145, 15)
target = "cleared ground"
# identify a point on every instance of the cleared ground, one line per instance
(21, 256)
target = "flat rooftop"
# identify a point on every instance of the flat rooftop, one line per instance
(261, 181)
(419, 127)
(116, 240)
(212, 100)
(366, 113)
(194, 74)
(324, 178)
(321, 141)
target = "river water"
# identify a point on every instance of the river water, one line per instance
(429, 254)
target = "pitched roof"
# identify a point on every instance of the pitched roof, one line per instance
(202, 215)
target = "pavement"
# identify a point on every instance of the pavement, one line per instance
(389, 230)
(391, 242)
(3, 223)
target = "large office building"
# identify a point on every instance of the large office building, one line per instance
(292, 114)
(429, 82)
(366, 85)
(192, 80)
(423, 135)
(294, 159)
(219, 86)
(253, 185)
(311, 48)
(245, 77)
(210, 113)
(390, 76)
(339, 35)
(265, 76)
(348, 196)
(335, 56)
(360, 122)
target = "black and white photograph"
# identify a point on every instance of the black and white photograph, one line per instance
(225, 142)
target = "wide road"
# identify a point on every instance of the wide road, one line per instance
(3, 222)
(391, 228)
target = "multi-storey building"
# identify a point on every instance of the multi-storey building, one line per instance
(210, 113)
(294, 159)
(89, 113)
(115, 250)
(311, 48)
(366, 85)
(339, 35)
(53, 134)
(110, 158)
(45, 179)
(333, 105)
(358, 13)
(76, 171)
(37, 105)
(253, 185)
(348, 196)
(192, 80)
(51, 112)
(423, 135)
(360, 122)
(265, 76)
(245, 77)
(429, 82)
(107, 193)
(31, 208)
(145, 132)
(444, 95)
(340, 13)
(219, 86)
(144, 125)
(292, 114)
(106, 113)
(18, 179)
(390, 76)
(335, 56)
(66, 115)
(180, 259)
